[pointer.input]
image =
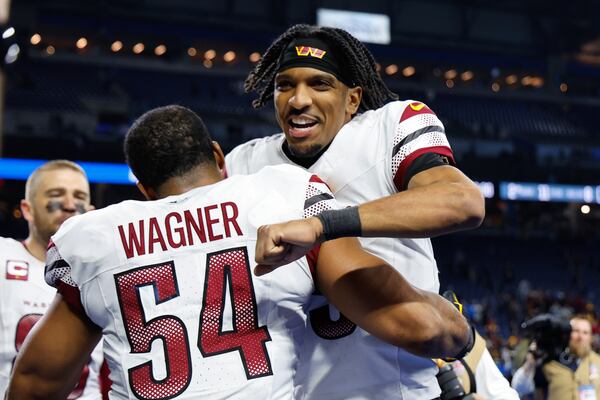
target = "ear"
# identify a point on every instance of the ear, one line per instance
(219, 156)
(148, 193)
(353, 99)
(26, 210)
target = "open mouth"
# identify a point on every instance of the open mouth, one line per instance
(301, 126)
(302, 123)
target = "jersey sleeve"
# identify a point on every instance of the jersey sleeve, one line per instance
(318, 198)
(416, 131)
(58, 275)
(490, 382)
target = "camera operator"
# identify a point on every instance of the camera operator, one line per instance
(561, 365)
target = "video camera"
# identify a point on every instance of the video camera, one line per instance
(551, 335)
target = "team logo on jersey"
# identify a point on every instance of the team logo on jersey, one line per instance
(17, 270)
(310, 51)
(416, 106)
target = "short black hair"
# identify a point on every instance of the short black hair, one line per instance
(355, 56)
(166, 142)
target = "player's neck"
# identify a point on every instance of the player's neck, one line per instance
(181, 184)
(36, 247)
(305, 162)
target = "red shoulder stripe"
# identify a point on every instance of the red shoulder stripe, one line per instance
(413, 109)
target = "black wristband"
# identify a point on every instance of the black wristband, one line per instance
(469, 346)
(340, 223)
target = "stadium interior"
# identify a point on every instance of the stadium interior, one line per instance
(516, 83)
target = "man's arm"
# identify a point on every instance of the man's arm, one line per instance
(367, 290)
(53, 355)
(437, 201)
(376, 297)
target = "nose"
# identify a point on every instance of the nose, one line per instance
(301, 97)
(69, 204)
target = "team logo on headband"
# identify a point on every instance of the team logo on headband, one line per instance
(310, 51)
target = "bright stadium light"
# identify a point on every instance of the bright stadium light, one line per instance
(391, 69)
(8, 33)
(36, 38)
(12, 54)
(467, 76)
(254, 57)
(81, 43)
(585, 209)
(408, 71)
(160, 49)
(116, 46)
(229, 56)
(511, 79)
(210, 54)
(138, 48)
(450, 74)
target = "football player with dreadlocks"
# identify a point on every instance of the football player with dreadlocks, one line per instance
(390, 163)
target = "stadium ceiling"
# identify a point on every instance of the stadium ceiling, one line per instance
(537, 27)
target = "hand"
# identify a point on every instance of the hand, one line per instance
(281, 244)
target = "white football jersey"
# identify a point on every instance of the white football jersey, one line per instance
(171, 284)
(368, 159)
(24, 297)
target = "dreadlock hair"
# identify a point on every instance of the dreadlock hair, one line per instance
(166, 142)
(354, 54)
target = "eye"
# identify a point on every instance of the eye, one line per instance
(54, 193)
(283, 85)
(322, 84)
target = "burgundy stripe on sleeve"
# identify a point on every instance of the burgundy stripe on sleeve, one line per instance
(405, 164)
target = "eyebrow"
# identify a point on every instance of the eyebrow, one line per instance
(76, 192)
(315, 76)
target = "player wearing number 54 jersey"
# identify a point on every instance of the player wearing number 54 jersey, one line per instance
(170, 285)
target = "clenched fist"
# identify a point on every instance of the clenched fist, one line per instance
(281, 244)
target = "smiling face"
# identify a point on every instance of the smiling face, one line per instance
(311, 107)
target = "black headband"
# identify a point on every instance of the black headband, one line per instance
(313, 53)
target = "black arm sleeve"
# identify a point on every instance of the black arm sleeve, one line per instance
(422, 163)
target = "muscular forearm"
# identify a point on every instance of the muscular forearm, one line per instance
(424, 211)
(381, 301)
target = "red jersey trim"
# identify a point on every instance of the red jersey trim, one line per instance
(405, 164)
(72, 297)
(312, 257)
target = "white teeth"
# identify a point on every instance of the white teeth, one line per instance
(302, 121)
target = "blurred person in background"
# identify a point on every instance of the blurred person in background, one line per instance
(560, 371)
(54, 192)
(390, 163)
